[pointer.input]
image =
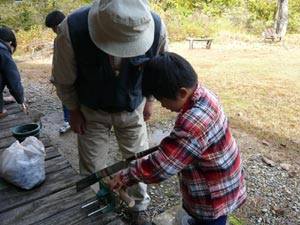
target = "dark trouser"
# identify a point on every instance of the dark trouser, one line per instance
(220, 221)
(66, 114)
(1, 93)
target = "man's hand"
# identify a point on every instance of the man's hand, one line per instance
(24, 108)
(77, 121)
(148, 109)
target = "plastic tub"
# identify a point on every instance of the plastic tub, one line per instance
(23, 131)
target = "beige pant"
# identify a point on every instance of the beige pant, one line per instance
(131, 133)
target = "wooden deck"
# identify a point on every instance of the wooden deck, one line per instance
(55, 201)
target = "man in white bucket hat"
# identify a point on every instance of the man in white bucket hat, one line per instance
(98, 57)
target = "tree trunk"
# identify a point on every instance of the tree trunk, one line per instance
(284, 17)
(277, 15)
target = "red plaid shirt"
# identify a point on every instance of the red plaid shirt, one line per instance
(202, 151)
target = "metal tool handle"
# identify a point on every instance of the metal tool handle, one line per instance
(126, 198)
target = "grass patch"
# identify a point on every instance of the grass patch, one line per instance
(258, 84)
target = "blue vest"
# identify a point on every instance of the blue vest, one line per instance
(97, 85)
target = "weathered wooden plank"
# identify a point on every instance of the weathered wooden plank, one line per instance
(106, 218)
(56, 164)
(22, 119)
(7, 123)
(4, 133)
(13, 106)
(14, 197)
(71, 216)
(47, 143)
(114, 222)
(51, 153)
(13, 110)
(5, 143)
(40, 209)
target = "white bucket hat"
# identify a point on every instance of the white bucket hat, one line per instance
(123, 28)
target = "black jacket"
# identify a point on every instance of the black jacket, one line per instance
(9, 75)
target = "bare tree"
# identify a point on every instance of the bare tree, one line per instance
(280, 25)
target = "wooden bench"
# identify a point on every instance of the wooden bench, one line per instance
(207, 40)
(270, 34)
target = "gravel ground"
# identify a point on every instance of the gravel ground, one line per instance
(272, 172)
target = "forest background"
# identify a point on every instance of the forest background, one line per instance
(200, 18)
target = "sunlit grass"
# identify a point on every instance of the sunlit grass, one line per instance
(259, 86)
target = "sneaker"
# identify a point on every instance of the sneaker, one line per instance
(140, 218)
(65, 128)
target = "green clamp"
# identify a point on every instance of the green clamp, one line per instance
(108, 196)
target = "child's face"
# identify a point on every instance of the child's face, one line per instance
(172, 105)
(175, 105)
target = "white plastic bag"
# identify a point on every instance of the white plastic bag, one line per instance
(23, 164)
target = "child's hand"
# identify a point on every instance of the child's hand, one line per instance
(115, 183)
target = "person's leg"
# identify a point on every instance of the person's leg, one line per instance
(66, 126)
(66, 114)
(1, 95)
(131, 133)
(1, 102)
(3, 112)
(94, 144)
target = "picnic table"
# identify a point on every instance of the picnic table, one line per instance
(56, 200)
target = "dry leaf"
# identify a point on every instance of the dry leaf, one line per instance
(268, 161)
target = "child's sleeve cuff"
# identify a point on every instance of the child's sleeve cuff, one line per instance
(126, 179)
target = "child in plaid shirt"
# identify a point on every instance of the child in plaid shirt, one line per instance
(200, 149)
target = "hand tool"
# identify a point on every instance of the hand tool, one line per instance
(97, 176)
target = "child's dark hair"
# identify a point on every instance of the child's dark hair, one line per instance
(165, 74)
(54, 18)
(7, 35)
